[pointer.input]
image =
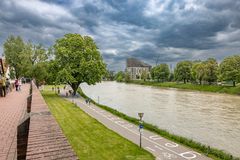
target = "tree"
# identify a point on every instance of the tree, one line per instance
(13, 51)
(109, 75)
(211, 70)
(120, 76)
(160, 72)
(183, 71)
(39, 72)
(144, 75)
(230, 69)
(198, 71)
(171, 77)
(78, 60)
(127, 77)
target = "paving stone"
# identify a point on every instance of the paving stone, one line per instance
(12, 108)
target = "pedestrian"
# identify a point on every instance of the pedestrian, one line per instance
(89, 101)
(86, 100)
(16, 84)
(8, 85)
(4, 86)
(58, 90)
(19, 85)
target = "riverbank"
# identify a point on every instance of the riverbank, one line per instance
(211, 152)
(89, 138)
(189, 86)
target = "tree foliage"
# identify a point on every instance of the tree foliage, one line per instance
(144, 75)
(119, 76)
(230, 69)
(78, 60)
(198, 71)
(13, 50)
(182, 71)
(25, 59)
(160, 72)
(211, 70)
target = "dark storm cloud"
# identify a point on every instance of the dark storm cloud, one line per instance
(168, 30)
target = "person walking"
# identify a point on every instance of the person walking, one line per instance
(16, 84)
(8, 85)
(4, 86)
(19, 84)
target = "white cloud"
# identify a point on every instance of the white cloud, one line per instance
(45, 10)
(155, 7)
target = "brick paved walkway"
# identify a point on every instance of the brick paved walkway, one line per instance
(46, 140)
(11, 111)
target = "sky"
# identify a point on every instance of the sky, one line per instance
(154, 31)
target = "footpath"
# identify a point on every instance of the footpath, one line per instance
(161, 148)
(12, 108)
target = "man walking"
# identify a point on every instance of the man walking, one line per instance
(4, 86)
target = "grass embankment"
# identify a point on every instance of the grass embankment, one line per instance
(211, 152)
(189, 86)
(89, 138)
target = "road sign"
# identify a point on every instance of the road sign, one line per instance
(141, 126)
(140, 115)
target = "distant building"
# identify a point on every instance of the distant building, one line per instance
(135, 68)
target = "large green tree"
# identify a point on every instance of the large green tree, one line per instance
(182, 71)
(78, 60)
(13, 50)
(230, 69)
(160, 72)
(23, 58)
(211, 70)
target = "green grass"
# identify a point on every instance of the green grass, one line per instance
(189, 86)
(89, 138)
(212, 152)
(49, 87)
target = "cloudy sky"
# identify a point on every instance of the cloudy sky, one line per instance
(167, 30)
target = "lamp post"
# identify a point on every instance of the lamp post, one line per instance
(140, 128)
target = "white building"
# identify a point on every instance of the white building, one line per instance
(135, 68)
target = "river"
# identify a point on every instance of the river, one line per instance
(209, 118)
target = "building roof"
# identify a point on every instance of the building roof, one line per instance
(133, 62)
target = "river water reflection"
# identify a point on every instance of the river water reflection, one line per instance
(209, 118)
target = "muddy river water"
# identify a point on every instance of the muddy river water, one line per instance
(209, 118)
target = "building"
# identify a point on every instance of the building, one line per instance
(135, 68)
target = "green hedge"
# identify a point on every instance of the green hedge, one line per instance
(209, 151)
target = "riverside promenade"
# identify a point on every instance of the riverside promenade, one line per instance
(161, 148)
(12, 108)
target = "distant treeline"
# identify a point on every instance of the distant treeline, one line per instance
(197, 72)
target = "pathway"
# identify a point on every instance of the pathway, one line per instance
(11, 111)
(160, 147)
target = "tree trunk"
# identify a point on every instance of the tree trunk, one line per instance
(200, 81)
(184, 80)
(75, 87)
(234, 84)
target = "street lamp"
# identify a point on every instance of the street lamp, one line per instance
(140, 128)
